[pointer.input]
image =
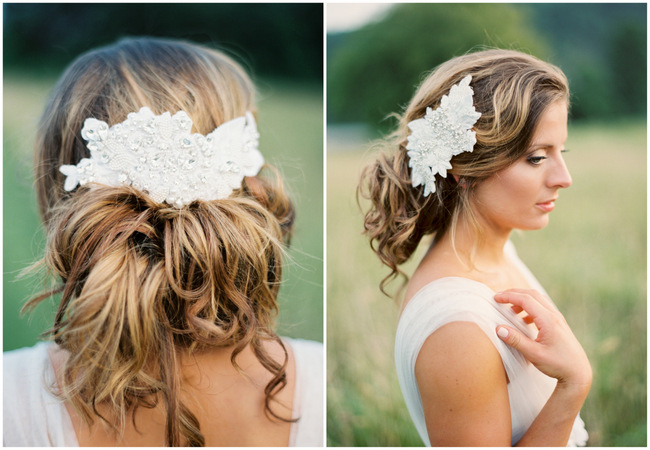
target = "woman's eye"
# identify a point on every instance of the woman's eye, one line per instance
(536, 160)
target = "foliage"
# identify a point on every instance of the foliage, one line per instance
(602, 48)
(591, 259)
(275, 39)
(375, 69)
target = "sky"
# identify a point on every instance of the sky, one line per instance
(348, 16)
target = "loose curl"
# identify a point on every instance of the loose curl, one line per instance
(511, 91)
(142, 283)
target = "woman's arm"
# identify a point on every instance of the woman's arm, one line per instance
(553, 424)
(466, 404)
(555, 352)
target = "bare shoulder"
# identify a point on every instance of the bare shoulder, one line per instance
(463, 387)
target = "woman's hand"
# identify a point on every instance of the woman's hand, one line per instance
(556, 351)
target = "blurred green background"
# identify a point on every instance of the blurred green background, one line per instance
(280, 45)
(374, 70)
(591, 258)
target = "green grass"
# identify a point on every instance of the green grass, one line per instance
(290, 123)
(591, 259)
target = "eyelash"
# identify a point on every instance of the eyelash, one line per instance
(537, 160)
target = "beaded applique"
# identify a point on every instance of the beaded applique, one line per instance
(441, 134)
(159, 155)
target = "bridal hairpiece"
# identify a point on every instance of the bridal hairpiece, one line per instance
(441, 134)
(158, 155)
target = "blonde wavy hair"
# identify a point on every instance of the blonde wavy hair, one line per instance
(511, 91)
(142, 282)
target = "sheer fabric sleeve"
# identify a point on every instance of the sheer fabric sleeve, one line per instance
(32, 416)
(309, 393)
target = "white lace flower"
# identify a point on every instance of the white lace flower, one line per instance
(441, 134)
(159, 155)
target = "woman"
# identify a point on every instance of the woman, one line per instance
(479, 154)
(167, 233)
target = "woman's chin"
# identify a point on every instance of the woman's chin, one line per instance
(538, 224)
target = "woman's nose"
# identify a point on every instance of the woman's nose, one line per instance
(560, 176)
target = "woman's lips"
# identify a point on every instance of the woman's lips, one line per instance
(546, 206)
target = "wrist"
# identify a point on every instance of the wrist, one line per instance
(574, 388)
(579, 380)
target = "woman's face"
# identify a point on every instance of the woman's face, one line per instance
(522, 195)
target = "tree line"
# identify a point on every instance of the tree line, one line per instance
(273, 40)
(373, 71)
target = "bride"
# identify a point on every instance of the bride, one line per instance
(483, 356)
(166, 233)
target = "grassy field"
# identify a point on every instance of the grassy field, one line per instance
(290, 123)
(591, 259)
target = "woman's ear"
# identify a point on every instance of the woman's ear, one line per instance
(462, 182)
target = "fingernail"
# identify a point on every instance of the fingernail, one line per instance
(502, 332)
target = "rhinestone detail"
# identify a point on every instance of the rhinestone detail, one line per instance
(442, 134)
(148, 151)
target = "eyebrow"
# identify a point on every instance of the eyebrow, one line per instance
(535, 147)
(539, 146)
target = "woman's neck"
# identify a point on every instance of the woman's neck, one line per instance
(480, 248)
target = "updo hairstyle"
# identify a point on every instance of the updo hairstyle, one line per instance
(142, 282)
(511, 91)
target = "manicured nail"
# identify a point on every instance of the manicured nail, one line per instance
(502, 332)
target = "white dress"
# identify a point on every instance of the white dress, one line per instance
(33, 417)
(455, 299)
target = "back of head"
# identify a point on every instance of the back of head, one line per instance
(142, 280)
(111, 82)
(511, 91)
